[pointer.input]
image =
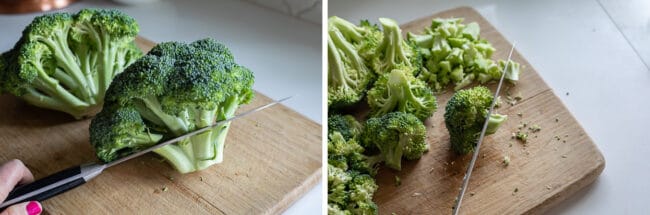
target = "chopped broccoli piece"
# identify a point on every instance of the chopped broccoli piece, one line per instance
(347, 125)
(66, 62)
(396, 135)
(400, 91)
(464, 117)
(457, 54)
(176, 88)
(348, 76)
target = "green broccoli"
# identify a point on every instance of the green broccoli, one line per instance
(394, 52)
(348, 76)
(400, 91)
(465, 115)
(350, 183)
(456, 54)
(347, 125)
(396, 135)
(66, 62)
(176, 88)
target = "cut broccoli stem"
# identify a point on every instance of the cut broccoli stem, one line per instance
(392, 43)
(494, 122)
(349, 30)
(228, 111)
(176, 157)
(202, 143)
(393, 155)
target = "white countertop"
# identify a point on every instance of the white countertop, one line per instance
(580, 47)
(284, 52)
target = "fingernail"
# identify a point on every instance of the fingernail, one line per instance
(33, 208)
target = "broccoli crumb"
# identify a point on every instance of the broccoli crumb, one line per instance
(164, 189)
(535, 128)
(523, 137)
(398, 181)
(506, 160)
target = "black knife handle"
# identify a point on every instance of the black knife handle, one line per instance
(44, 182)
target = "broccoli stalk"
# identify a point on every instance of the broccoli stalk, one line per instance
(400, 91)
(65, 62)
(178, 88)
(465, 116)
(394, 52)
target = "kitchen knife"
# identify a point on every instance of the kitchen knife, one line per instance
(468, 174)
(67, 179)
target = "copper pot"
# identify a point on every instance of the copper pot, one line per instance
(28, 6)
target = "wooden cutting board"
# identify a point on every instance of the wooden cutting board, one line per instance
(541, 173)
(272, 158)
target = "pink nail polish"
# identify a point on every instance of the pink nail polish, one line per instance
(33, 208)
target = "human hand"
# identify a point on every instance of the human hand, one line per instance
(14, 173)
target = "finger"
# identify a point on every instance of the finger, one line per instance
(12, 173)
(25, 208)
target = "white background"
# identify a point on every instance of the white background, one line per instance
(580, 47)
(283, 51)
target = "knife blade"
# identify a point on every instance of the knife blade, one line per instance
(468, 173)
(72, 177)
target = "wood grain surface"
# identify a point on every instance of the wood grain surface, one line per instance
(541, 173)
(272, 158)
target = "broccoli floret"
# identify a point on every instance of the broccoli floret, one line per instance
(464, 117)
(347, 125)
(66, 62)
(348, 154)
(350, 183)
(456, 54)
(396, 135)
(394, 52)
(177, 88)
(348, 77)
(123, 131)
(400, 91)
(350, 192)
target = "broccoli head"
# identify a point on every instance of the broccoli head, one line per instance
(396, 135)
(347, 125)
(465, 115)
(348, 77)
(66, 62)
(400, 91)
(176, 88)
(395, 52)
